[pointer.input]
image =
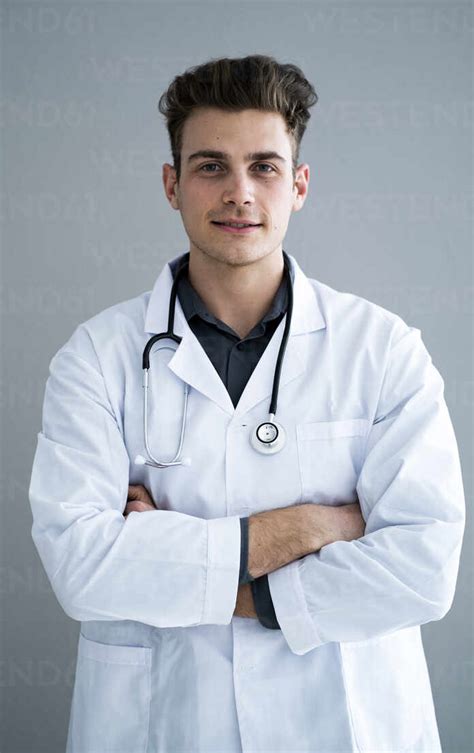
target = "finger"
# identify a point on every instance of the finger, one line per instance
(134, 506)
(138, 506)
(143, 506)
(131, 507)
(139, 492)
(134, 491)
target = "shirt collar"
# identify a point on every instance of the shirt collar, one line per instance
(193, 305)
(308, 303)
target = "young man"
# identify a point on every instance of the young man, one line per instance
(261, 589)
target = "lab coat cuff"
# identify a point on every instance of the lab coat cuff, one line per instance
(291, 609)
(223, 565)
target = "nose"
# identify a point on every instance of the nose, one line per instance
(238, 189)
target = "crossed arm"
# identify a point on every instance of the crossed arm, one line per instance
(278, 537)
(401, 572)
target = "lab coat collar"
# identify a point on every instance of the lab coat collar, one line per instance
(191, 363)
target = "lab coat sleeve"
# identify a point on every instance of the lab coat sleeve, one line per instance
(162, 568)
(403, 571)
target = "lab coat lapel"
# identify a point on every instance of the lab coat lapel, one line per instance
(260, 384)
(191, 363)
(306, 318)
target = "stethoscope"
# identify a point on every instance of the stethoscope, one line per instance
(268, 437)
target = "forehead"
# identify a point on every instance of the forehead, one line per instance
(247, 130)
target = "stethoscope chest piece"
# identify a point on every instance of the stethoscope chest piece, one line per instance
(268, 437)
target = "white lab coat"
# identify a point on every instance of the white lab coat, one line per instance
(163, 665)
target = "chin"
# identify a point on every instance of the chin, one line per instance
(232, 254)
(241, 257)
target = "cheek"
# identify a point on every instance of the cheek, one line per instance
(192, 217)
(280, 203)
(279, 214)
(195, 200)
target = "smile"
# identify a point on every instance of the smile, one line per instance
(230, 228)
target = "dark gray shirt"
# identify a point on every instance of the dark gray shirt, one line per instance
(234, 360)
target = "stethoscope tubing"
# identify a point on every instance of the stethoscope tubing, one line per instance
(175, 460)
(169, 334)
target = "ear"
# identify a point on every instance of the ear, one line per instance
(170, 184)
(300, 186)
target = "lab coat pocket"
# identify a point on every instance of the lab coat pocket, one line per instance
(111, 699)
(386, 681)
(330, 457)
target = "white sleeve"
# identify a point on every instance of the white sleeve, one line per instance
(403, 571)
(162, 568)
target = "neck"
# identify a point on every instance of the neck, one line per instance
(239, 295)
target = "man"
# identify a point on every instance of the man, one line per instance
(247, 599)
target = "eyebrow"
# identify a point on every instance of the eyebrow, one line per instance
(223, 155)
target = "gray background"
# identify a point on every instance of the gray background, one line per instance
(85, 224)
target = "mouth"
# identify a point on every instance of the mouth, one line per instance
(237, 228)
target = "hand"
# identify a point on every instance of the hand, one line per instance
(244, 606)
(138, 500)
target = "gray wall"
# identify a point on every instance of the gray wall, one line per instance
(85, 224)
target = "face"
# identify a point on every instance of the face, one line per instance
(237, 184)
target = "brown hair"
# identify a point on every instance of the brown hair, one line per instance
(235, 84)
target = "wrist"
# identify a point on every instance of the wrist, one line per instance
(320, 525)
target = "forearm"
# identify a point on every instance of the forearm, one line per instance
(277, 537)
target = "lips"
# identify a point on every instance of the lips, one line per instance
(242, 222)
(235, 231)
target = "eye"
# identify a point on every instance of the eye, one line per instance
(265, 164)
(209, 164)
(215, 164)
